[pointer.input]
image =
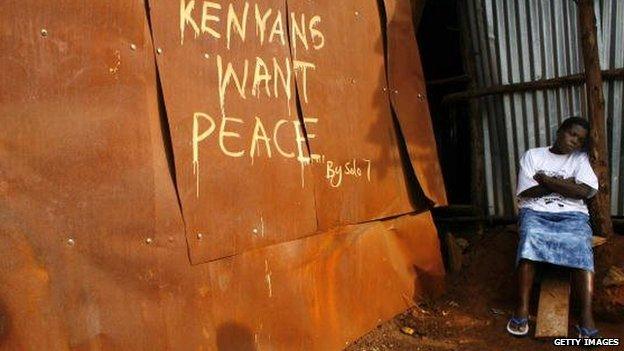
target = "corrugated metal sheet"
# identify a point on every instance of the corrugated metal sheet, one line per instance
(96, 199)
(521, 41)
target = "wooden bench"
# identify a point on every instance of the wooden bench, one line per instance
(553, 310)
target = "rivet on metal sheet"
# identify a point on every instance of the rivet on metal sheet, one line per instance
(357, 13)
(200, 236)
(421, 96)
(206, 56)
(133, 47)
(159, 51)
(385, 89)
(396, 91)
(71, 242)
(149, 240)
(255, 231)
(44, 32)
(352, 80)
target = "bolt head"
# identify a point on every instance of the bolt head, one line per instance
(71, 242)
(44, 32)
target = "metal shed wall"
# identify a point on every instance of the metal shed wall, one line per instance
(97, 247)
(522, 41)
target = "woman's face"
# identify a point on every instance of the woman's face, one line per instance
(571, 139)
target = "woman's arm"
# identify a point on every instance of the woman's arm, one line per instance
(536, 191)
(565, 187)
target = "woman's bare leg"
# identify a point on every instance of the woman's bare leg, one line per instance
(584, 284)
(526, 272)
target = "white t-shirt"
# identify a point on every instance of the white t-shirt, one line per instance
(573, 165)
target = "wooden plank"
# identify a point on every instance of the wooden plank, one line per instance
(540, 84)
(477, 167)
(554, 305)
(598, 240)
(454, 254)
(600, 205)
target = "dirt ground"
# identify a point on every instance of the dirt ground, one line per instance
(473, 312)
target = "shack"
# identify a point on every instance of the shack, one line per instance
(264, 175)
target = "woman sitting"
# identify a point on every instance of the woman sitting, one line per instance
(553, 185)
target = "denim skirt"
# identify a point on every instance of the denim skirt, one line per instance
(563, 238)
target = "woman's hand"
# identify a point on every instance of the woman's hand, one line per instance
(566, 187)
(540, 177)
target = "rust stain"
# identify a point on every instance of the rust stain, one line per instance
(116, 64)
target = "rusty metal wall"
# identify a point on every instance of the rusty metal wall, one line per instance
(408, 97)
(100, 209)
(230, 166)
(320, 133)
(520, 41)
(347, 92)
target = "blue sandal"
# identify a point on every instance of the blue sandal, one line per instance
(586, 333)
(518, 326)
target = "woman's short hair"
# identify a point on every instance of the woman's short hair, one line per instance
(572, 121)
